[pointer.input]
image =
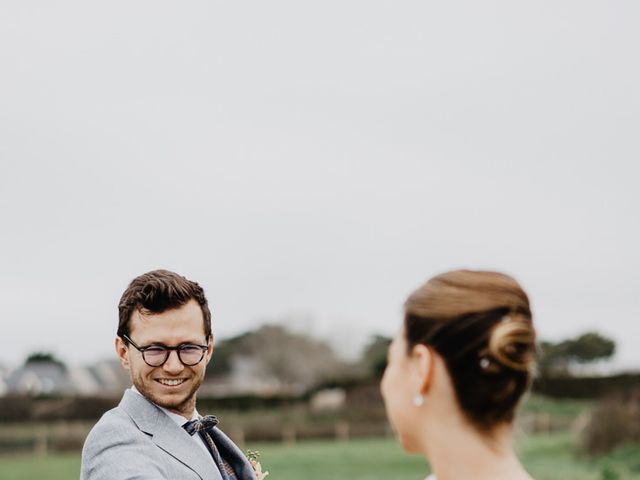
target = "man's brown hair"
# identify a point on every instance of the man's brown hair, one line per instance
(158, 291)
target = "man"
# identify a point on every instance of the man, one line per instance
(164, 340)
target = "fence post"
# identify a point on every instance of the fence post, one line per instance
(289, 435)
(342, 431)
(40, 447)
(543, 422)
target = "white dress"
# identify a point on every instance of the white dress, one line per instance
(431, 477)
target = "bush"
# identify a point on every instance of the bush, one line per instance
(614, 421)
(73, 408)
(585, 387)
(15, 408)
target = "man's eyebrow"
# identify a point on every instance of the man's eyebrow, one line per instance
(157, 344)
(160, 344)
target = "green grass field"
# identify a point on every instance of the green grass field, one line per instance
(547, 457)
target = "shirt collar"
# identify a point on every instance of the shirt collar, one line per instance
(178, 419)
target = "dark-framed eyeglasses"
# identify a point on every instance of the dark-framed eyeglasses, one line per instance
(190, 354)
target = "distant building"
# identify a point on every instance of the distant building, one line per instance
(328, 399)
(246, 377)
(102, 378)
(105, 378)
(39, 378)
(270, 361)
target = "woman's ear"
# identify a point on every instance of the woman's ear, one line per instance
(422, 357)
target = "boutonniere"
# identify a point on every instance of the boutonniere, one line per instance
(252, 456)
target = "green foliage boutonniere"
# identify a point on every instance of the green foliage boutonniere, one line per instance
(252, 456)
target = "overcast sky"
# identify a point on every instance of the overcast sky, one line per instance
(316, 161)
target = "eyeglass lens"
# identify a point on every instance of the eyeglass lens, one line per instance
(188, 354)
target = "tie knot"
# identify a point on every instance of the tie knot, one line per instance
(204, 423)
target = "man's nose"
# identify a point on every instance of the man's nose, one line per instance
(173, 363)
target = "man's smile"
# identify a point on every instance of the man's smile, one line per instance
(171, 382)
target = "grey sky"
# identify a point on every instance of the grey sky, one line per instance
(316, 161)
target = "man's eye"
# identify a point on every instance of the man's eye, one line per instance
(190, 349)
(155, 351)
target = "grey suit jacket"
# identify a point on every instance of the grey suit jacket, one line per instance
(137, 440)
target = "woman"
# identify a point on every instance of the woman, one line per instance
(457, 371)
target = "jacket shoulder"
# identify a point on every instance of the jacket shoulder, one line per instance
(114, 449)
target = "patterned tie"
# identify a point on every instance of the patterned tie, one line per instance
(203, 426)
(198, 425)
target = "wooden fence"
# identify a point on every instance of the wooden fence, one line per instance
(42, 439)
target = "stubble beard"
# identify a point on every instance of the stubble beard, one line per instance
(181, 405)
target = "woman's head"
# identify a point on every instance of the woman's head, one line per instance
(479, 325)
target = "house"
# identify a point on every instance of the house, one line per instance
(104, 378)
(39, 378)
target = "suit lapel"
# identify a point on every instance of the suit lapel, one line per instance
(167, 434)
(233, 455)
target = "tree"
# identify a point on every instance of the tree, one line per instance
(296, 362)
(558, 358)
(590, 347)
(374, 357)
(45, 357)
(221, 360)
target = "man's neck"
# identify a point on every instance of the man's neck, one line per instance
(188, 416)
(179, 417)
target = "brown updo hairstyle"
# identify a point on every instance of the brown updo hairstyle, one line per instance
(480, 324)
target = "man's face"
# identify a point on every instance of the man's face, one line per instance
(170, 328)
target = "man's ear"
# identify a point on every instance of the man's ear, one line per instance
(123, 353)
(422, 358)
(209, 349)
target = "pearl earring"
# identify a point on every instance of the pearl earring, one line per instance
(418, 400)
